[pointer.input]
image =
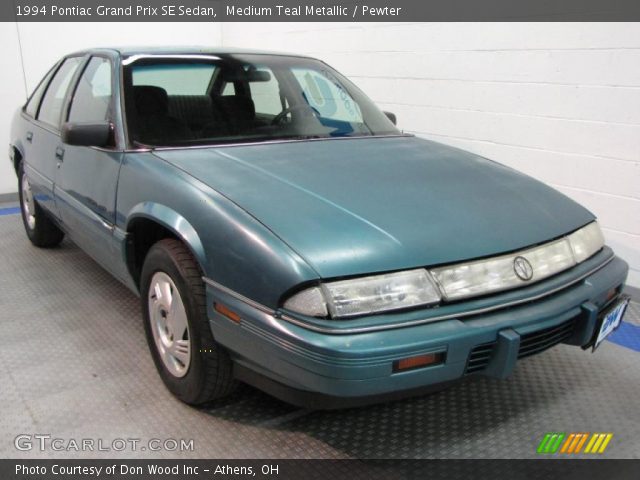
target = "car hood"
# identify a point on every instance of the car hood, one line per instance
(364, 205)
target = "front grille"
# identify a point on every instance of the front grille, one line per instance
(479, 358)
(536, 342)
(530, 344)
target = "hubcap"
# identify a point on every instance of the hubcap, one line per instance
(28, 206)
(169, 324)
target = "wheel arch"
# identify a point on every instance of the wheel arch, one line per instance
(150, 222)
(16, 155)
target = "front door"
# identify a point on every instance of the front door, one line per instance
(87, 176)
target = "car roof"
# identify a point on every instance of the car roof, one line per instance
(127, 51)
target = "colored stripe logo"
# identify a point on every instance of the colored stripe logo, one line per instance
(551, 442)
(572, 443)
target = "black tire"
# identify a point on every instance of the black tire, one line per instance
(43, 233)
(210, 371)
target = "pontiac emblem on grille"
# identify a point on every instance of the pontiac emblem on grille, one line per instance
(523, 268)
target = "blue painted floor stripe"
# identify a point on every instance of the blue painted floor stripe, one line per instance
(627, 335)
(9, 211)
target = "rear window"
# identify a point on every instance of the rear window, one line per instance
(185, 79)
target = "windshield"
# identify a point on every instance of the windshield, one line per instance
(207, 99)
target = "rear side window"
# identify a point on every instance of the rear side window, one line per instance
(92, 98)
(52, 103)
(36, 96)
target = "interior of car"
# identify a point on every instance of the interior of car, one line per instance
(173, 102)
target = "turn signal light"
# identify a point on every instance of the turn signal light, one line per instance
(419, 361)
(230, 314)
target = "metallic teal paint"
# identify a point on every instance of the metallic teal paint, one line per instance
(171, 220)
(356, 206)
(233, 248)
(360, 365)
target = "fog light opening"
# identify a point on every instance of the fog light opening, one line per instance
(419, 361)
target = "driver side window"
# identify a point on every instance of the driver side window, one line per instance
(92, 98)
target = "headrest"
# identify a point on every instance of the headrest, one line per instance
(237, 108)
(151, 100)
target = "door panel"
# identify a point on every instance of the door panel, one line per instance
(40, 164)
(42, 137)
(85, 195)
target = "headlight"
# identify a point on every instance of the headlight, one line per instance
(412, 288)
(482, 277)
(586, 241)
(361, 296)
(499, 273)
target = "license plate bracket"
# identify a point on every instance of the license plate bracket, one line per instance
(610, 319)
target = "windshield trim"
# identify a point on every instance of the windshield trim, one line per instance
(134, 58)
(267, 142)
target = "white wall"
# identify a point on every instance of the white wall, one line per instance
(558, 101)
(44, 43)
(12, 93)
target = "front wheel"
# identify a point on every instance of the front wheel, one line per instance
(191, 364)
(39, 228)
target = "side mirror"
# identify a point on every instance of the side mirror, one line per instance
(392, 117)
(87, 134)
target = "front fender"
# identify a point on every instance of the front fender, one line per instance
(233, 248)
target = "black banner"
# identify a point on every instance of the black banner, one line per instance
(320, 469)
(318, 10)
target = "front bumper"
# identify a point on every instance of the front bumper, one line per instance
(304, 366)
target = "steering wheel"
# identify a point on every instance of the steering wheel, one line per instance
(279, 117)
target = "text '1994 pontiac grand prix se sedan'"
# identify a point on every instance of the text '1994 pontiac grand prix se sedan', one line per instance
(281, 231)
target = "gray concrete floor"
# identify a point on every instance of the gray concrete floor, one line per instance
(74, 364)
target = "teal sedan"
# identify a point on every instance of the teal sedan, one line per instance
(281, 231)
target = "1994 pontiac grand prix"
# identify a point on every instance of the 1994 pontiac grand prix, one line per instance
(281, 231)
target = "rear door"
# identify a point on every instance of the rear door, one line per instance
(42, 137)
(87, 177)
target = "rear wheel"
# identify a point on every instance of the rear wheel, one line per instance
(39, 228)
(192, 365)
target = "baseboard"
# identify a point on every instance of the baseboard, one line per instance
(8, 197)
(633, 292)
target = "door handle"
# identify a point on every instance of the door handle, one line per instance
(59, 153)
(29, 137)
